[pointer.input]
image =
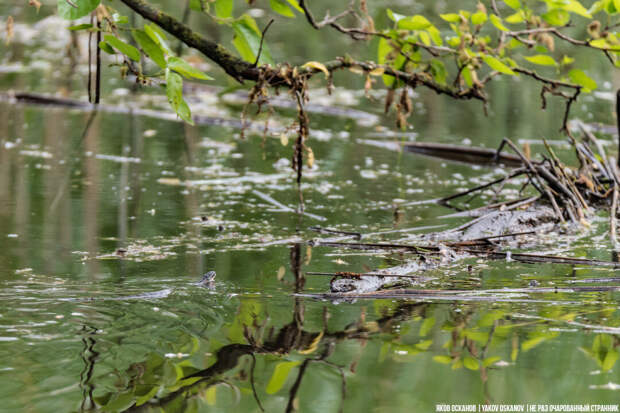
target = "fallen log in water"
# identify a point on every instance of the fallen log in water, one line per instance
(81, 105)
(465, 154)
(562, 195)
(494, 295)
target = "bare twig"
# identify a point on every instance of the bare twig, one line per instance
(612, 217)
(262, 39)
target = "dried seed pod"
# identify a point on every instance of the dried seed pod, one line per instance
(389, 99)
(594, 29)
(405, 101)
(367, 85)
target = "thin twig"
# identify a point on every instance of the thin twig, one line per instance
(514, 174)
(262, 39)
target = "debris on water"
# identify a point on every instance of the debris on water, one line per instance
(140, 251)
(36, 154)
(117, 158)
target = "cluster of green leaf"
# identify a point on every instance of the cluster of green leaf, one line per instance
(479, 39)
(454, 51)
(151, 41)
(246, 34)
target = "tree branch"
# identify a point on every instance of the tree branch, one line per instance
(237, 68)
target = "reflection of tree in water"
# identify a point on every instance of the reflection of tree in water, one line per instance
(476, 336)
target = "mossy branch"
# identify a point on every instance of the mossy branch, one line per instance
(237, 68)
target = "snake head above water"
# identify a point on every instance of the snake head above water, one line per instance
(207, 278)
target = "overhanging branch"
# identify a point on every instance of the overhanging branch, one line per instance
(238, 68)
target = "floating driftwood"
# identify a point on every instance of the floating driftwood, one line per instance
(81, 105)
(564, 198)
(465, 154)
(494, 295)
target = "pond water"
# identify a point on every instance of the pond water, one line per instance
(107, 223)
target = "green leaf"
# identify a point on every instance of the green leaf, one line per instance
(279, 376)
(490, 360)
(471, 363)
(81, 27)
(103, 45)
(383, 50)
(557, 17)
(497, 64)
(174, 92)
(435, 35)
(224, 8)
(149, 47)
(616, 4)
(514, 43)
(295, 5)
(198, 5)
(514, 4)
(117, 18)
(188, 71)
(425, 38)
(515, 18)
(439, 72)
(451, 17)
(395, 17)
(579, 77)
(466, 72)
(567, 60)
(247, 40)
(541, 59)
(479, 18)
(155, 33)
(126, 49)
(497, 22)
(280, 7)
(81, 9)
(416, 22)
(604, 44)
(575, 7)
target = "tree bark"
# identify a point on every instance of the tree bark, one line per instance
(237, 68)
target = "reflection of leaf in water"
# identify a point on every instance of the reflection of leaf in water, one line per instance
(489, 317)
(279, 376)
(478, 336)
(313, 344)
(537, 339)
(532, 342)
(120, 402)
(248, 311)
(210, 395)
(443, 359)
(147, 396)
(424, 345)
(515, 348)
(426, 326)
(603, 351)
